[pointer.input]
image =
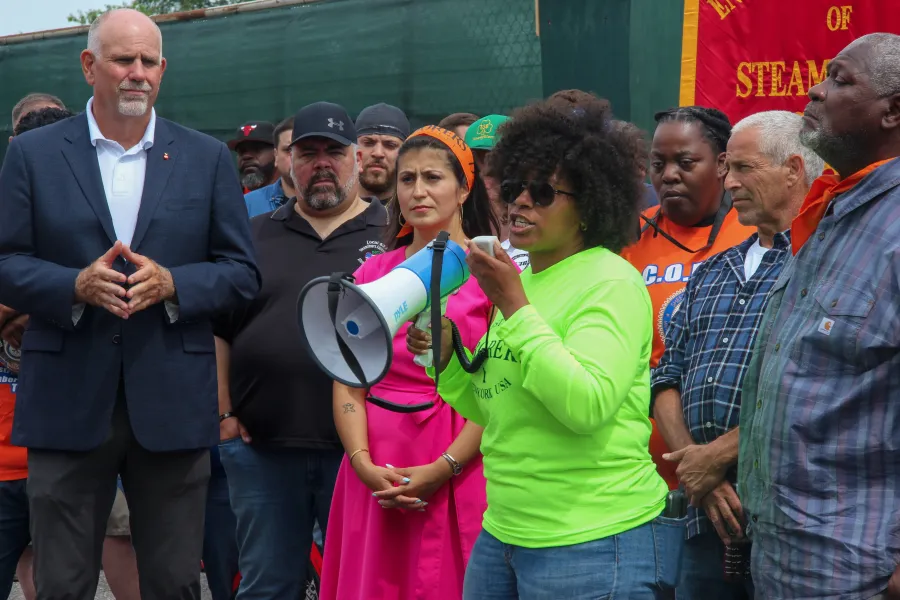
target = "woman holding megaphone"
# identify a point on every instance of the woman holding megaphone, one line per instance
(410, 492)
(561, 381)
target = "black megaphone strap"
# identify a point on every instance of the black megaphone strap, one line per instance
(335, 289)
(723, 211)
(437, 262)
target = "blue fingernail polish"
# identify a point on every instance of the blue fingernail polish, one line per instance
(406, 480)
(418, 501)
(375, 494)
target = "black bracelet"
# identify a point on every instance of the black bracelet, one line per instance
(226, 415)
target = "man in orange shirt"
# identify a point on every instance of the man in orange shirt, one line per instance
(693, 222)
(14, 535)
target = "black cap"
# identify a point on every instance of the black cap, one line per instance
(254, 131)
(383, 119)
(324, 119)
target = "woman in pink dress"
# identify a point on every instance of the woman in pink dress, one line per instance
(410, 493)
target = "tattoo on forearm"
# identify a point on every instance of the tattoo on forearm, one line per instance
(348, 408)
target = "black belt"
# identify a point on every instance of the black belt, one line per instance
(399, 408)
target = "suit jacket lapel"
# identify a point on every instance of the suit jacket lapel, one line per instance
(161, 159)
(82, 158)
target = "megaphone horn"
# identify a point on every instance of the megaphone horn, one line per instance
(349, 329)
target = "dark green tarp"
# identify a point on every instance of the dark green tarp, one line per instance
(628, 51)
(430, 57)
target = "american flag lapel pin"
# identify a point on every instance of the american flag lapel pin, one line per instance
(165, 156)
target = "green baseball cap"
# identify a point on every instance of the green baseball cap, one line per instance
(481, 135)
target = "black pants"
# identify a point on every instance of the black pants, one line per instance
(71, 494)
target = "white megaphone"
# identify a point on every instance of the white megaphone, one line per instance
(349, 329)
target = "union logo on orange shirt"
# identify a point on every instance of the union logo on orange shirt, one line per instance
(667, 310)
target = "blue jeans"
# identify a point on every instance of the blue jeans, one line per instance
(702, 572)
(14, 532)
(220, 551)
(638, 564)
(277, 494)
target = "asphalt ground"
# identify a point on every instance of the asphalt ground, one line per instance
(103, 592)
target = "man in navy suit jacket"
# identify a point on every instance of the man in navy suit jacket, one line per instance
(122, 235)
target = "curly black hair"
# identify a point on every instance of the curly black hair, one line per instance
(714, 123)
(574, 98)
(597, 158)
(477, 219)
(640, 149)
(39, 118)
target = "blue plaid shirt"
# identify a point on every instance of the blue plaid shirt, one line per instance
(709, 342)
(819, 466)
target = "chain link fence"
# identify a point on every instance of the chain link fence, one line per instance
(430, 58)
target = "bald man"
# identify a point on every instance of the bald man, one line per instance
(123, 234)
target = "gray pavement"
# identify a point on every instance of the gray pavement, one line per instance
(103, 592)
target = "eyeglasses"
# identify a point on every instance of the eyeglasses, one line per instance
(542, 193)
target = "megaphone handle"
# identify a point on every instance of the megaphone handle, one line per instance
(423, 322)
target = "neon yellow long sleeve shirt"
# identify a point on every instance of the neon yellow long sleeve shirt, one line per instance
(564, 399)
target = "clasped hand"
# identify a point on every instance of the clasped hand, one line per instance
(698, 470)
(102, 286)
(407, 488)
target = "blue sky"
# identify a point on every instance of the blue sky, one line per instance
(25, 16)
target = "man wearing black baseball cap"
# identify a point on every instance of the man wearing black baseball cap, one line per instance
(382, 129)
(256, 154)
(274, 393)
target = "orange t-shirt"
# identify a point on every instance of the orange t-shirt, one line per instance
(666, 269)
(13, 460)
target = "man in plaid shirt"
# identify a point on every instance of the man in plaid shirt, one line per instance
(819, 467)
(710, 339)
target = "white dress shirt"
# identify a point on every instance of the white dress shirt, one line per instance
(123, 174)
(753, 259)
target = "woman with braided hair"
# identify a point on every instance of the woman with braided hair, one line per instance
(693, 222)
(560, 381)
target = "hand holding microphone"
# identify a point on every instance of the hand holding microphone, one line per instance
(498, 276)
(418, 342)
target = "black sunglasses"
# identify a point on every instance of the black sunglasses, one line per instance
(542, 193)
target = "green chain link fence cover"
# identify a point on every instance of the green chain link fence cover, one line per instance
(429, 57)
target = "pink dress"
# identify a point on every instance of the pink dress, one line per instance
(373, 553)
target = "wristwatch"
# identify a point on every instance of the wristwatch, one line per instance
(454, 464)
(226, 415)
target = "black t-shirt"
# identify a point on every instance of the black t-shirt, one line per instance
(277, 390)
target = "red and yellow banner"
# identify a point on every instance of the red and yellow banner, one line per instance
(746, 56)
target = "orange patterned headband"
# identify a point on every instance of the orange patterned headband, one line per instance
(457, 146)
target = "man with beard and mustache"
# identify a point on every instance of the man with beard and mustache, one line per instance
(279, 447)
(253, 143)
(818, 470)
(271, 197)
(382, 129)
(123, 234)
